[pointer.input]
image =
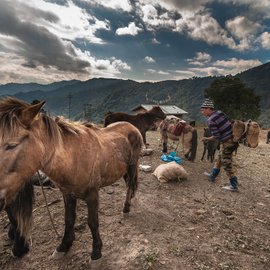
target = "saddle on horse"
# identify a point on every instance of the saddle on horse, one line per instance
(177, 129)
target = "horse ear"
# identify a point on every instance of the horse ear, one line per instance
(28, 114)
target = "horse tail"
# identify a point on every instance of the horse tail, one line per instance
(136, 141)
(194, 144)
(22, 208)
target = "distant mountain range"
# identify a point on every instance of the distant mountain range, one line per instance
(95, 97)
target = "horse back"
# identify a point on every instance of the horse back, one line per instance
(117, 117)
(124, 130)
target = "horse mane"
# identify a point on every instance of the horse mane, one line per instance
(11, 108)
(22, 208)
(68, 127)
(59, 126)
(153, 110)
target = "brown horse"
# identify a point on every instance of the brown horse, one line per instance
(143, 121)
(78, 158)
(175, 129)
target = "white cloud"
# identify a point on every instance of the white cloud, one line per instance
(159, 72)
(74, 22)
(198, 23)
(241, 27)
(124, 5)
(203, 26)
(225, 67)
(200, 59)
(183, 74)
(149, 59)
(174, 5)
(132, 30)
(259, 7)
(265, 40)
(9, 63)
(244, 30)
(43, 47)
(150, 70)
(237, 65)
(155, 41)
(152, 19)
(208, 71)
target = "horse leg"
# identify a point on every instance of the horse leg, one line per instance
(20, 245)
(164, 143)
(193, 145)
(69, 235)
(209, 152)
(131, 179)
(213, 154)
(204, 151)
(144, 137)
(93, 223)
(211, 157)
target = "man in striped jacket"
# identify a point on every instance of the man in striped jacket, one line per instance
(221, 129)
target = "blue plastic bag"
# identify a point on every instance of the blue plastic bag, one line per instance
(171, 157)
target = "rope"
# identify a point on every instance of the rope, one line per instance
(46, 202)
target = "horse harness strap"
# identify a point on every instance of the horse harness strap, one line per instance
(46, 202)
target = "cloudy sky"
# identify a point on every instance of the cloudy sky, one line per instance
(144, 40)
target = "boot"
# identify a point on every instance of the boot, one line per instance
(233, 186)
(212, 175)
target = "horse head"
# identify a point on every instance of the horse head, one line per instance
(20, 151)
(157, 111)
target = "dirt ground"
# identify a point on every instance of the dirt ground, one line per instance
(190, 224)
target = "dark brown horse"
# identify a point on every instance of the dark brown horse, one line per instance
(142, 121)
(78, 158)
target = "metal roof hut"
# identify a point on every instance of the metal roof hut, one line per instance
(167, 109)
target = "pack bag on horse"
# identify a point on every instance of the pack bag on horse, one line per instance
(246, 132)
(209, 147)
(176, 129)
(142, 121)
(78, 158)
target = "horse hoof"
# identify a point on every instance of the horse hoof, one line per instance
(96, 255)
(126, 209)
(19, 253)
(58, 255)
(125, 215)
(95, 264)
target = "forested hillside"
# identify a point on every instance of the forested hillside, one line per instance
(102, 95)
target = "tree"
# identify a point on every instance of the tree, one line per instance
(232, 97)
